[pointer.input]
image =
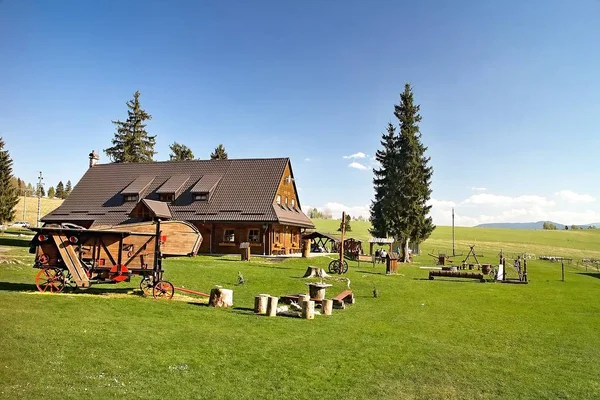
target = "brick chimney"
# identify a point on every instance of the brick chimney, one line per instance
(94, 158)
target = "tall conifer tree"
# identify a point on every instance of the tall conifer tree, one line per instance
(219, 153)
(9, 193)
(131, 142)
(60, 190)
(402, 184)
(180, 152)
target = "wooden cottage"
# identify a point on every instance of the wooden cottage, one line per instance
(229, 201)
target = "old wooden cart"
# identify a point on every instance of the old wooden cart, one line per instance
(68, 256)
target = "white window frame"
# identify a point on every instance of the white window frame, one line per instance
(278, 199)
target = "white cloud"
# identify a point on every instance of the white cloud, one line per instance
(360, 154)
(307, 159)
(442, 204)
(574, 198)
(507, 201)
(478, 189)
(357, 165)
(337, 208)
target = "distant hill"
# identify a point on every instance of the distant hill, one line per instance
(530, 225)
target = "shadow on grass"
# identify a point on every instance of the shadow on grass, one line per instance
(30, 287)
(371, 272)
(592, 274)
(14, 241)
(453, 280)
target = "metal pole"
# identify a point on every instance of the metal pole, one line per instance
(453, 253)
(24, 201)
(39, 196)
(342, 241)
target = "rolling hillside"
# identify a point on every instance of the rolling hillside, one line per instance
(489, 241)
(31, 205)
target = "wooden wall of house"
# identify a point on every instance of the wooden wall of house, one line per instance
(241, 234)
(286, 238)
(286, 190)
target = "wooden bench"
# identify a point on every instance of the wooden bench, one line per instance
(341, 299)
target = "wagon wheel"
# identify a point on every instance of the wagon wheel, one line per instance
(334, 266)
(146, 286)
(344, 268)
(163, 290)
(50, 280)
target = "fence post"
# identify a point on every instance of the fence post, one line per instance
(563, 270)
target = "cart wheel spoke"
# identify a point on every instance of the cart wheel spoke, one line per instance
(164, 290)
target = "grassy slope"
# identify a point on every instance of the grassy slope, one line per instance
(489, 241)
(419, 339)
(31, 204)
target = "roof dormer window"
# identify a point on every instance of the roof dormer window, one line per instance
(131, 198)
(166, 197)
(201, 196)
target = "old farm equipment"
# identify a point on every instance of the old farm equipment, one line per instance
(83, 257)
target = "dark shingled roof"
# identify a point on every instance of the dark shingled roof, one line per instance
(173, 185)
(242, 190)
(160, 209)
(138, 185)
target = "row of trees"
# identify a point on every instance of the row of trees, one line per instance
(61, 191)
(133, 144)
(552, 227)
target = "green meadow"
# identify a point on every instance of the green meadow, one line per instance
(418, 339)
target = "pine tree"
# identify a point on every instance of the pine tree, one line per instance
(219, 153)
(51, 193)
(29, 189)
(414, 222)
(382, 209)
(9, 193)
(348, 228)
(131, 142)
(68, 189)
(402, 184)
(60, 191)
(180, 152)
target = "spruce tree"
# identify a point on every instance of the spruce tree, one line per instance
(9, 193)
(382, 207)
(131, 142)
(346, 224)
(414, 184)
(60, 190)
(219, 153)
(51, 193)
(180, 152)
(402, 184)
(29, 189)
(68, 189)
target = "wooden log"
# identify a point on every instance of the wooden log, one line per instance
(305, 248)
(308, 309)
(312, 272)
(221, 298)
(260, 303)
(303, 297)
(272, 306)
(327, 306)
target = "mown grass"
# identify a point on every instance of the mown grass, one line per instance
(441, 339)
(31, 208)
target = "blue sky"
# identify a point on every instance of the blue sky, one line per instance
(509, 92)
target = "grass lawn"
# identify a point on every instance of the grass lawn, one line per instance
(31, 206)
(420, 339)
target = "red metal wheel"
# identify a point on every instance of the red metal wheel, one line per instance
(43, 259)
(50, 280)
(163, 290)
